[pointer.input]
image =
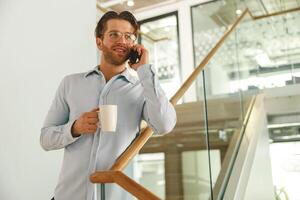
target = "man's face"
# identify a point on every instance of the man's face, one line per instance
(115, 43)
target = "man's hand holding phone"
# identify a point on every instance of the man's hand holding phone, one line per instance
(143, 56)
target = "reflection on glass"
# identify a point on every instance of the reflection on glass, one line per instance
(209, 22)
(149, 171)
(160, 37)
(112, 191)
(196, 179)
(269, 52)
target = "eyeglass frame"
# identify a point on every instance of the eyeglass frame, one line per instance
(121, 34)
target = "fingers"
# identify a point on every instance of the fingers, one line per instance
(87, 123)
(95, 109)
(92, 120)
(91, 128)
(91, 115)
(139, 48)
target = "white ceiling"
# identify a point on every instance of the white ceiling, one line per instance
(258, 7)
(120, 5)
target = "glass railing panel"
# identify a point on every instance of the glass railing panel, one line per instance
(224, 113)
(149, 171)
(209, 22)
(245, 64)
(110, 191)
(225, 107)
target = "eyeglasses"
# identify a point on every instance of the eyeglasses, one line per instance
(116, 35)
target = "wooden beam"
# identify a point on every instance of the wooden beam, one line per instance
(103, 177)
(173, 174)
(125, 182)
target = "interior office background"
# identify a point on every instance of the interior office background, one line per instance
(40, 43)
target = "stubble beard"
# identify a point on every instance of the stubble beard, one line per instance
(111, 57)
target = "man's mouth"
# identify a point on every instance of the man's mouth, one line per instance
(120, 50)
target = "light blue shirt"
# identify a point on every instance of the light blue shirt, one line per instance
(136, 98)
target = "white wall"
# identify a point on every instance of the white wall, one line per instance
(251, 176)
(40, 42)
(260, 185)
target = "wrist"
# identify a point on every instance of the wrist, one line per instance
(74, 130)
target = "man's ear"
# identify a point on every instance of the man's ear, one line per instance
(99, 43)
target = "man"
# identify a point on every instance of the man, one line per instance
(72, 120)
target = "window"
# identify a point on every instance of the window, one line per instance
(160, 37)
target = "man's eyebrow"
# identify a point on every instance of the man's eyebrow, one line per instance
(113, 30)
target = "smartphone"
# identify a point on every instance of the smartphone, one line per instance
(134, 57)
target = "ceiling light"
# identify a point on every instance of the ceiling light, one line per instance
(238, 12)
(130, 3)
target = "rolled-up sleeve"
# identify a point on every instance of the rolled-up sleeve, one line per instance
(56, 131)
(158, 112)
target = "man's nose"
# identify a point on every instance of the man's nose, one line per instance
(122, 39)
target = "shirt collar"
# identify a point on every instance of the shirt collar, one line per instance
(129, 77)
(92, 71)
(125, 73)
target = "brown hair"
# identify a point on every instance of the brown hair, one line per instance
(125, 15)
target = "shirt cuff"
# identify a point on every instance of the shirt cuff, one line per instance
(67, 132)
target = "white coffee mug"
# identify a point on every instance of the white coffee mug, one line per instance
(108, 115)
